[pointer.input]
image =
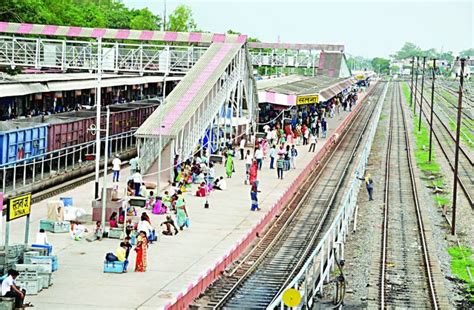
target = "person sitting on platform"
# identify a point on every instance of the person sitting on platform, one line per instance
(41, 237)
(10, 289)
(77, 231)
(201, 192)
(143, 190)
(130, 188)
(113, 220)
(150, 201)
(220, 184)
(121, 254)
(169, 222)
(97, 234)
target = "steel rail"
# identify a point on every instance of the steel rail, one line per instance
(269, 247)
(420, 223)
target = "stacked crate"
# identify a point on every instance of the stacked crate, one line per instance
(10, 256)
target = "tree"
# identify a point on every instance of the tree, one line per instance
(381, 65)
(144, 20)
(394, 69)
(408, 50)
(467, 53)
(181, 20)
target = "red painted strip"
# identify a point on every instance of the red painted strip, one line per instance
(74, 31)
(122, 34)
(25, 28)
(49, 30)
(170, 36)
(98, 32)
(146, 35)
(3, 26)
(217, 37)
(195, 37)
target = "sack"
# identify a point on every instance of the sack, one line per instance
(110, 257)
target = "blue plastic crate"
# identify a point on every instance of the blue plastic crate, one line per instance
(113, 267)
(22, 140)
(67, 201)
(49, 247)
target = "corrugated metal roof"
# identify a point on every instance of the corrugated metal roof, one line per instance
(311, 85)
(268, 83)
(185, 99)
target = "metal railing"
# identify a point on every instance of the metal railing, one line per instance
(83, 55)
(309, 281)
(24, 173)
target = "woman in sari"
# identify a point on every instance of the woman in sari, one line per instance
(141, 249)
(181, 213)
(229, 165)
(253, 172)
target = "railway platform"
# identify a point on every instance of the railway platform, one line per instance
(176, 264)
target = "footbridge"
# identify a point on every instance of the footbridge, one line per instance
(217, 88)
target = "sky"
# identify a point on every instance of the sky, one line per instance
(367, 28)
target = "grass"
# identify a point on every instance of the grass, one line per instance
(442, 200)
(461, 257)
(461, 260)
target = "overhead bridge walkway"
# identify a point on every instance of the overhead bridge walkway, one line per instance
(221, 79)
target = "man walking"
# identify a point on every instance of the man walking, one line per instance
(369, 185)
(116, 164)
(324, 127)
(272, 155)
(242, 148)
(293, 154)
(259, 157)
(280, 165)
(312, 146)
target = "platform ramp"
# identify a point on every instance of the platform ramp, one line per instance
(222, 78)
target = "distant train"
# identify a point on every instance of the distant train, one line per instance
(24, 138)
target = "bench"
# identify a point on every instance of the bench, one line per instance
(216, 158)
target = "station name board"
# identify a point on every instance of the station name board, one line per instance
(310, 99)
(18, 207)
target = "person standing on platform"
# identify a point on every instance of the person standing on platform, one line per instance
(116, 164)
(254, 196)
(229, 164)
(248, 164)
(272, 155)
(324, 127)
(141, 249)
(369, 185)
(133, 165)
(280, 166)
(259, 157)
(242, 148)
(293, 155)
(287, 158)
(253, 172)
(312, 146)
(137, 181)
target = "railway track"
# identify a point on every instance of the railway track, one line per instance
(406, 279)
(276, 258)
(446, 142)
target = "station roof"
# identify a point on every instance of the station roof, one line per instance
(273, 82)
(287, 93)
(183, 102)
(24, 84)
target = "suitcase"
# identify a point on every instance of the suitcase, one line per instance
(113, 267)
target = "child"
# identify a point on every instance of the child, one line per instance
(150, 202)
(97, 234)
